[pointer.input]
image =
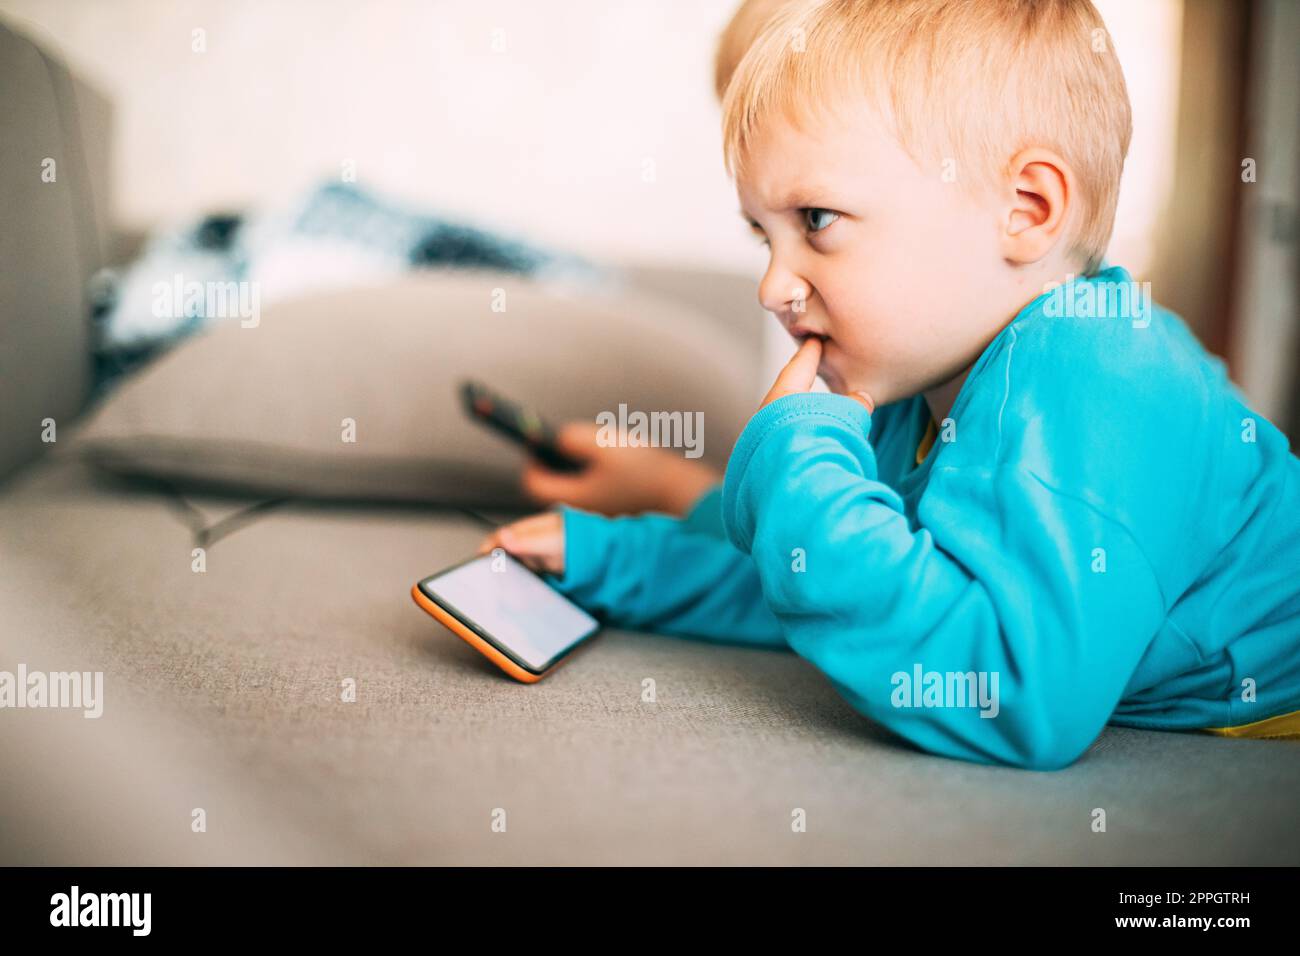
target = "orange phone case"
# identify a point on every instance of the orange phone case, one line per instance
(476, 642)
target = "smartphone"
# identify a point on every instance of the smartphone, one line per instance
(507, 613)
(517, 423)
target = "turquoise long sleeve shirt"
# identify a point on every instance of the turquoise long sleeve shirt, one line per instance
(1104, 532)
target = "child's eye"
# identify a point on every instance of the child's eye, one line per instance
(819, 219)
(759, 234)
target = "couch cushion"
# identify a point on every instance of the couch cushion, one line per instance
(262, 409)
(236, 674)
(49, 246)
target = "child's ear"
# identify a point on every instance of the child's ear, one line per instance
(1042, 193)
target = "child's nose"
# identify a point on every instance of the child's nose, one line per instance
(781, 291)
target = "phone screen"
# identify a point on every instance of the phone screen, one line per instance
(512, 607)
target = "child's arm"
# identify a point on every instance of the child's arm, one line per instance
(1004, 576)
(618, 480)
(652, 572)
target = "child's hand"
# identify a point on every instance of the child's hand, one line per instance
(537, 541)
(800, 373)
(618, 480)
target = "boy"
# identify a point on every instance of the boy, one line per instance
(1032, 503)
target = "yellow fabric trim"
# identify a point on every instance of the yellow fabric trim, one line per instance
(1283, 725)
(927, 440)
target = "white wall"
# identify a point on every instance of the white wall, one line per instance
(551, 138)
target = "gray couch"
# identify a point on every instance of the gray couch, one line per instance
(223, 688)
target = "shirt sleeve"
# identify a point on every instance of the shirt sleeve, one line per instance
(669, 575)
(705, 515)
(1002, 628)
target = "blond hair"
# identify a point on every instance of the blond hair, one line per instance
(739, 35)
(963, 84)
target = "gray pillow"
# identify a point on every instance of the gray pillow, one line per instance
(262, 409)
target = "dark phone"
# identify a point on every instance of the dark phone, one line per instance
(519, 424)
